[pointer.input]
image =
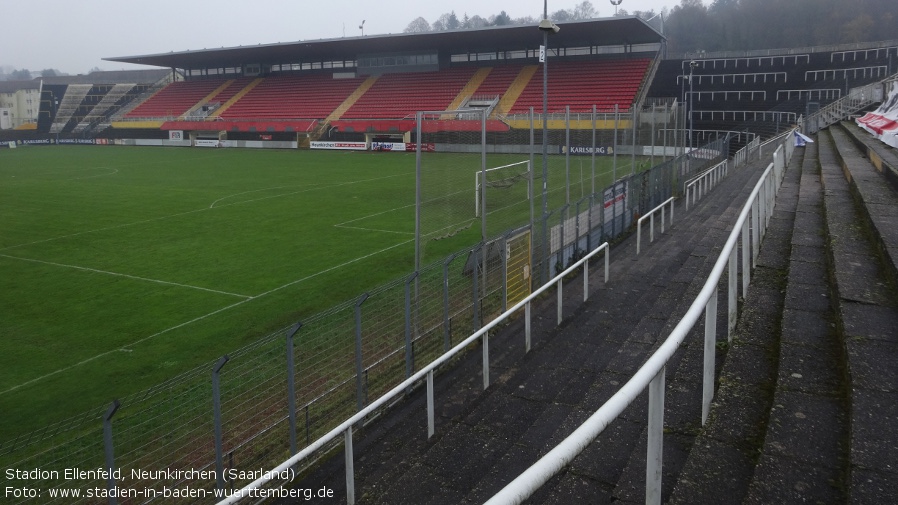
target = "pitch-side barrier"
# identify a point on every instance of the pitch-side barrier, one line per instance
(426, 373)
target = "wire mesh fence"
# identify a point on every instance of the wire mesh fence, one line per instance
(212, 428)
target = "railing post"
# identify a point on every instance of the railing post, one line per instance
(672, 202)
(486, 359)
(746, 258)
(350, 466)
(638, 235)
(652, 227)
(409, 355)
(654, 455)
(291, 386)
(663, 218)
(110, 449)
(430, 409)
(710, 343)
(559, 290)
(732, 302)
(527, 327)
(216, 406)
(607, 261)
(359, 379)
(585, 281)
(755, 236)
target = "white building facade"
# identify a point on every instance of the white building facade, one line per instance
(20, 103)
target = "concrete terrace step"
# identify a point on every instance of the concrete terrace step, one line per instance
(485, 438)
(867, 308)
(809, 402)
(876, 190)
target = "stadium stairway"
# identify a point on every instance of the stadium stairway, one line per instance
(806, 402)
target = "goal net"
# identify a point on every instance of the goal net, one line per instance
(506, 185)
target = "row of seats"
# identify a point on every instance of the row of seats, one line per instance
(579, 84)
(401, 95)
(174, 99)
(293, 96)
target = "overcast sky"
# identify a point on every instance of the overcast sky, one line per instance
(74, 36)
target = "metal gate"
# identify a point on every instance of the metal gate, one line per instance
(517, 267)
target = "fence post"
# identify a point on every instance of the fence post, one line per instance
(359, 381)
(567, 154)
(503, 258)
(593, 152)
(409, 355)
(291, 386)
(562, 218)
(447, 328)
(216, 406)
(110, 449)
(476, 282)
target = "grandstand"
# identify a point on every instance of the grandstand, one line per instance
(349, 88)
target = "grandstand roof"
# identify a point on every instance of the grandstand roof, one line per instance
(626, 30)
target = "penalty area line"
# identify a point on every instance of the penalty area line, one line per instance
(116, 274)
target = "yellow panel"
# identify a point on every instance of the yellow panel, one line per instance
(518, 268)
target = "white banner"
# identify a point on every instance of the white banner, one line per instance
(352, 146)
(399, 147)
(208, 143)
(883, 122)
(176, 135)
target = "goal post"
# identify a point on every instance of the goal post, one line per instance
(514, 179)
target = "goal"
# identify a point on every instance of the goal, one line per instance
(505, 185)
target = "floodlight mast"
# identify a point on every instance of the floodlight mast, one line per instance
(615, 3)
(546, 26)
(692, 65)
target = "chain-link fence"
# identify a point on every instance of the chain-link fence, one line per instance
(214, 427)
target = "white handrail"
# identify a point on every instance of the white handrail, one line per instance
(652, 374)
(650, 215)
(345, 428)
(701, 184)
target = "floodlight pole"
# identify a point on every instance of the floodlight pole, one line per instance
(546, 27)
(692, 65)
(545, 111)
(615, 3)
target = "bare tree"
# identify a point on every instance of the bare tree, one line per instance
(419, 25)
(585, 10)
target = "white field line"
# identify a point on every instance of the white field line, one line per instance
(127, 347)
(345, 223)
(114, 171)
(116, 274)
(171, 216)
(257, 191)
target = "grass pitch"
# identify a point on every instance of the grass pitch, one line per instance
(121, 267)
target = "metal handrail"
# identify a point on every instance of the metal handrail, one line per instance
(651, 375)
(650, 215)
(427, 372)
(703, 182)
